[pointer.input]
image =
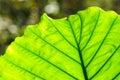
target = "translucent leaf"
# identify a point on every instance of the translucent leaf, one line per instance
(83, 46)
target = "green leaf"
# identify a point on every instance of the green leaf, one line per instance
(84, 46)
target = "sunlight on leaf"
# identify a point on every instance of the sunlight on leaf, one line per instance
(83, 46)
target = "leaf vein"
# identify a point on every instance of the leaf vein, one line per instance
(56, 48)
(116, 76)
(80, 28)
(79, 52)
(102, 42)
(46, 61)
(105, 62)
(30, 72)
(92, 31)
(62, 35)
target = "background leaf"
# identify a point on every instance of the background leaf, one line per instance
(80, 47)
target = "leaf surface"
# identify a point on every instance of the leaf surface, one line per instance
(83, 46)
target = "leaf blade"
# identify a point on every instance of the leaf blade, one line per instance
(79, 47)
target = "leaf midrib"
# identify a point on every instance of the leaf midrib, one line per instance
(78, 47)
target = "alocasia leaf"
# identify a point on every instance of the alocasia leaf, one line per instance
(84, 46)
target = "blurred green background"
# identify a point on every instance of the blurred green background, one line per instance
(16, 14)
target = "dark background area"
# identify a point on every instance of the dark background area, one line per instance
(15, 15)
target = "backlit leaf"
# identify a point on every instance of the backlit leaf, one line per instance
(83, 46)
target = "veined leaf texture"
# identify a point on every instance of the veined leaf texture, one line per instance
(83, 46)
